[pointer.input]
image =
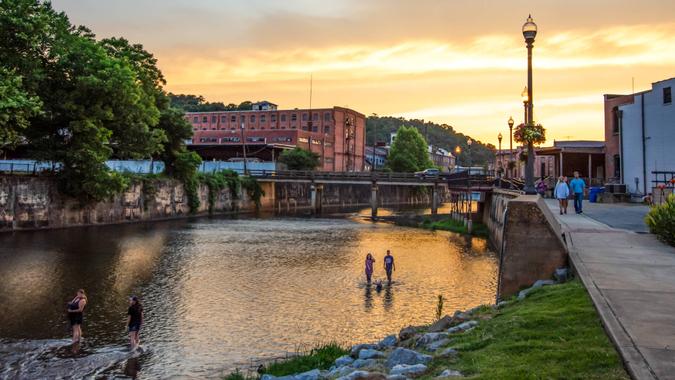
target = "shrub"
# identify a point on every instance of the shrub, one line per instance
(661, 220)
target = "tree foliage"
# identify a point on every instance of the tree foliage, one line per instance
(16, 107)
(379, 128)
(299, 159)
(408, 152)
(197, 103)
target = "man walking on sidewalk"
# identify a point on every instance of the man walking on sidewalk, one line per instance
(578, 185)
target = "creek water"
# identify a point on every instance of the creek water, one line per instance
(219, 293)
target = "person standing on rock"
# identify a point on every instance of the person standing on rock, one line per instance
(578, 185)
(389, 266)
(561, 193)
(76, 314)
(134, 322)
(369, 266)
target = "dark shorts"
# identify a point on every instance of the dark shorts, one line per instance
(75, 318)
(135, 327)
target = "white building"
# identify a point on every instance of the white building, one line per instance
(647, 136)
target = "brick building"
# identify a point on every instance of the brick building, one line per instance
(336, 134)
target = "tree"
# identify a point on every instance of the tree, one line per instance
(408, 152)
(299, 159)
(16, 107)
(197, 103)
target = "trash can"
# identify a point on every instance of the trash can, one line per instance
(593, 193)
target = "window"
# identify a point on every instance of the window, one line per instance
(262, 118)
(273, 117)
(205, 119)
(252, 118)
(195, 120)
(255, 139)
(667, 95)
(615, 121)
(617, 166)
(233, 119)
(223, 119)
(303, 140)
(326, 116)
(283, 117)
(315, 128)
(304, 127)
(315, 116)
(242, 118)
(316, 142)
(326, 129)
(214, 119)
(229, 139)
(304, 117)
(328, 145)
(294, 117)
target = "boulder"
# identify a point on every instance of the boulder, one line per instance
(538, 284)
(408, 369)
(433, 346)
(404, 356)
(389, 341)
(464, 326)
(396, 377)
(461, 316)
(430, 338)
(314, 374)
(340, 371)
(449, 373)
(407, 332)
(368, 353)
(343, 361)
(448, 352)
(502, 304)
(365, 363)
(561, 275)
(356, 349)
(270, 377)
(363, 375)
(441, 324)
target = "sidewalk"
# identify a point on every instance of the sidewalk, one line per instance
(631, 279)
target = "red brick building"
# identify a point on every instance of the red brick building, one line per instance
(336, 134)
(612, 136)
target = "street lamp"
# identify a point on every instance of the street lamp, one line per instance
(458, 150)
(468, 143)
(529, 32)
(243, 146)
(501, 161)
(510, 144)
(525, 98)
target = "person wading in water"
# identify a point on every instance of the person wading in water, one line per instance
(369, 266)
(389, 266)
(76, 314)
(134, 322)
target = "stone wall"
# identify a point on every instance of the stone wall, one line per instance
(494, 214)
(34, 202)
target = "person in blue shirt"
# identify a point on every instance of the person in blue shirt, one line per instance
(389, 265)
(578, 185)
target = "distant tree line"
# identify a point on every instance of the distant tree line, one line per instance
(379, 128)
(197, 103)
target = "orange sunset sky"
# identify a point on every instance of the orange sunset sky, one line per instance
(457, 62)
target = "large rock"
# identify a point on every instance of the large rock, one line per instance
(314, 374)
(441, 324)
(449, 373)
(356, 349)
(365, 363)
(408, 332)
(389, 341)
(270, 377)
(404, 356)
(340, 372)
(343, 361)
(430, 338)
(363, 375)
(368, 353)
(537, 284)
(433, 346)
(461, 316)
(396, 377)
(448, 352)
(464, 326)
(408, 370)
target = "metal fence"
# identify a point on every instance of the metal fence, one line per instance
(130, 166)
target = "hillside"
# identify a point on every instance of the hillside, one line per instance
(440, 135)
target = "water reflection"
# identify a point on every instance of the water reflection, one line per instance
(218, 292)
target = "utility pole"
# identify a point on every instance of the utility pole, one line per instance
(243, 146)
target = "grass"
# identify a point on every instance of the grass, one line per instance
(478, 229)
(554, 333)
(321, 357)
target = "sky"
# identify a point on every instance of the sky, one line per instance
(460, 62)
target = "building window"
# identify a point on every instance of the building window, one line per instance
(328, 145)
(315, 116)
(214, 119)
(304, 127)
(195, 120)
(223, 119)
(233, 119)
(667, 95)
(304, 117)
(242, 118)
(326, 129)
(283, 117)
(315, 128)
(252, 118)
(615, 121)
(294, 117)
(262, 118)
(326, 116)
(273, 118)
(617, 166)
(205, 119)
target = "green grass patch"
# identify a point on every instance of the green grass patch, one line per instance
(321, 357)
(478, 229)
(555, 333)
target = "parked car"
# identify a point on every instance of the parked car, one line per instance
(428, 173)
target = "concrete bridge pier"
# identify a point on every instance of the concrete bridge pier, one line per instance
(434, 200)
(316, 192)
(373, 201)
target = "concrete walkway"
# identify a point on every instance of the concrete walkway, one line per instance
(631, 279)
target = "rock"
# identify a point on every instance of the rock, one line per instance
(363, 375)
(540, 283)
(450, 373)
(396, 377)
(368, 353)
(344, 361)
(430, 338)
(267, 377)
(502, 304)
(389, 341)
(314, 374)
(433, 346)
(365, 363)
(441, 324)
(461, 316)
(270, 377)
(464, 326)
(561, 275)
(339, 372)
(404, 356)
(407, 332)
(408, 369)
(448, 352)
(356, 349)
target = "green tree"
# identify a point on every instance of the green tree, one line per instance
(299, 159)
(16, 107)
(408, 152)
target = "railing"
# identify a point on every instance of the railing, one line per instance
(666, 178)
(362, 176)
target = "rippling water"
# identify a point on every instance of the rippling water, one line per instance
(220, 292)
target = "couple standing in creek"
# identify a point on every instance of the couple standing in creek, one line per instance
(389, 268)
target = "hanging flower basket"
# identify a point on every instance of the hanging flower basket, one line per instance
(529, 133)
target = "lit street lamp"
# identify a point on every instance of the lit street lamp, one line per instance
(458, 150)
(524, 97)
(529, 32)
(501, 161)
(510, 144)
(468, 143)
(243, 146)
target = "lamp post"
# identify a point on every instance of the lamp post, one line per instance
(468, 187)
(243, 146)
(529, 32)
(510, 144)
(501, 161)
(524, 97)
(458, 150)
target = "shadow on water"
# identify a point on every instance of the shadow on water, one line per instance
(220, 291)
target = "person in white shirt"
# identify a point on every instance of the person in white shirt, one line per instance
(562, 193)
